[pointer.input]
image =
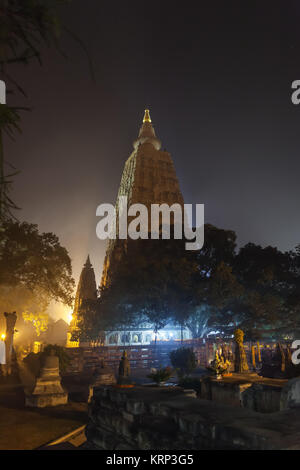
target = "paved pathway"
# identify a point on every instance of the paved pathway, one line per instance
(71, 441)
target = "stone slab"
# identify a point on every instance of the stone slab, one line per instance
(44, 400)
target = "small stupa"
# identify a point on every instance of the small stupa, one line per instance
(48, 390)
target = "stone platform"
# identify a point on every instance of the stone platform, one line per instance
(47, 392)
(80, 386)
(165, 419)
(46, 399)
(245, 390)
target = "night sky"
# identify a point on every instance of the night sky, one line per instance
(216, 76)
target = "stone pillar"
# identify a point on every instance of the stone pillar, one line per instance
(11, 319)
(240, 364)
(253, 356)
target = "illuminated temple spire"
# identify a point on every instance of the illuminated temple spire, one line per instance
(86, 290)
(147, 133)
(88, 263)
(147, 117)
(149, 177)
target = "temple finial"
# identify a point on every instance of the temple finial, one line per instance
(147, 133)
(88, 261)
(147, 117)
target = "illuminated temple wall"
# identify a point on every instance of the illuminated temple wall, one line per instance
(146, 336)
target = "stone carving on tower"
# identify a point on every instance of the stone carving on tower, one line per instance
(148, 177)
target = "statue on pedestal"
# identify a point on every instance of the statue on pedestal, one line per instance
(124, 370)
(240, 363)
(124, 366)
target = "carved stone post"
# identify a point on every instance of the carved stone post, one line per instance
(253, 356)
(280, 356)
(240, 364)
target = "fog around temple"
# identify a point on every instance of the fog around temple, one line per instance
(222, 108)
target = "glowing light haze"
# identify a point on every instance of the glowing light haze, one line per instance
(217, 78)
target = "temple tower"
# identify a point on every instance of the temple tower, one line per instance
(86, 290)
(148, 177)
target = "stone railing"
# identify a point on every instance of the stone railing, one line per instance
(166, 419)
(140, 356)
(147, 356)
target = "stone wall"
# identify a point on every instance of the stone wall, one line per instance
(161, 418)
(247, 391)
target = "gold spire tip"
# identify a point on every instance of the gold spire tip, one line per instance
(147, 116)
